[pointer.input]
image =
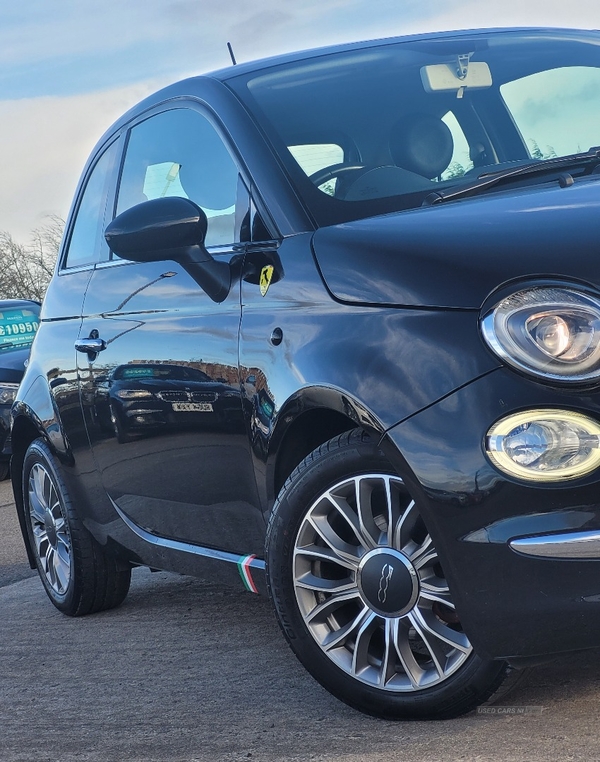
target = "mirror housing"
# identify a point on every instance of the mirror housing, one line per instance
(170, 228)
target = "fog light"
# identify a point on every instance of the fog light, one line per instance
(545, 445)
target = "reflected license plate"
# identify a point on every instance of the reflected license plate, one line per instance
(192, 407)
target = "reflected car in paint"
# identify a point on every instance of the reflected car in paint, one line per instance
(342, 308)
(141, 398)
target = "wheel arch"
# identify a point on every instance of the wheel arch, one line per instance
(307, 420)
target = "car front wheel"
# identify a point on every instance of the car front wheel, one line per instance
(360, 592)
(78, 576)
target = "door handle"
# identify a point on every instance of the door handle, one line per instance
(92, 345)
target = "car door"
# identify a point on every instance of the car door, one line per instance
(162, 401)
(60, 319)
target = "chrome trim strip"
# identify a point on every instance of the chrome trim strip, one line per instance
(185, 547)
(577, 545)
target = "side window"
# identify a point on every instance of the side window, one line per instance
(179, 153)
(18, 326)
(556, 110)
(86, 242)
(461, 161)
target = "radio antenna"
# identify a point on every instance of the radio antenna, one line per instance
(230, 49)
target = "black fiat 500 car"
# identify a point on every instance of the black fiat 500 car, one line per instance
(390, 253)
(19, 319)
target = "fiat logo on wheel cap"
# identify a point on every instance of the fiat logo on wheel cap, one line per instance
(386, 575)
(388, 582)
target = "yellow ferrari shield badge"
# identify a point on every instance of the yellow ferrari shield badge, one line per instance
(265, 278)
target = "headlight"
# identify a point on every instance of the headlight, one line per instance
(550, 332)
(133, 394)
(545, 445)
(8, 392)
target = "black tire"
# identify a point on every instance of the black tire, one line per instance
(78, 576)
(4, 471)
(398, 656)
(119, 431)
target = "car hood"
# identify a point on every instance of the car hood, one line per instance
(454, 254)
(12, 364)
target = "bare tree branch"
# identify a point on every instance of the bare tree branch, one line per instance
(25, 271)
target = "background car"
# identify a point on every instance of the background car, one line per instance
(385, 255)
(139, 399)
(19, 319)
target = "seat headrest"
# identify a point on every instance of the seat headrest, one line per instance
(422, 144)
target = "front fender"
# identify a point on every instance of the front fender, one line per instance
(323, 398)
(510, 604)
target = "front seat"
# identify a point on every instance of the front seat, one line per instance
(421, 148)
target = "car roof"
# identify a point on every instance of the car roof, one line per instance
(6, 304)
(301, 55)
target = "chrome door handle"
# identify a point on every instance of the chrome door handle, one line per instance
(90, 345)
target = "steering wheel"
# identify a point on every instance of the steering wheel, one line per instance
(334, 170)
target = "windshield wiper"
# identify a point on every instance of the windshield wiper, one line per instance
(7, 345)
(589, 159)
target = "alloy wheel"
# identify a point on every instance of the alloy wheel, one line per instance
(49, 529)
(371, 590)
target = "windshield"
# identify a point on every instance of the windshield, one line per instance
(165, 372)
(18, 327)
(378, 128)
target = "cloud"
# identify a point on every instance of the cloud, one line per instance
(69, 68)
(47, 141)
(70, 47)
(472, 14)
(262, 24)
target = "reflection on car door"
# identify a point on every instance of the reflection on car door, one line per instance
(162, 401)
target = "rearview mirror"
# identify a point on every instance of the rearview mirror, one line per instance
(457, 77)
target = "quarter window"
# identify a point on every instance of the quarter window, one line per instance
(87, 240)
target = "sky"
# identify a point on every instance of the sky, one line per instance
(69, 68)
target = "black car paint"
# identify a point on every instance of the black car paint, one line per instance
(454, 256)
(420, 381)
(516, 606)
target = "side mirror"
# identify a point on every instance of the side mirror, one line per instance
(170, 228)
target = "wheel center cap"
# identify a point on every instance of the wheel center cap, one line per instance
(388, 582)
